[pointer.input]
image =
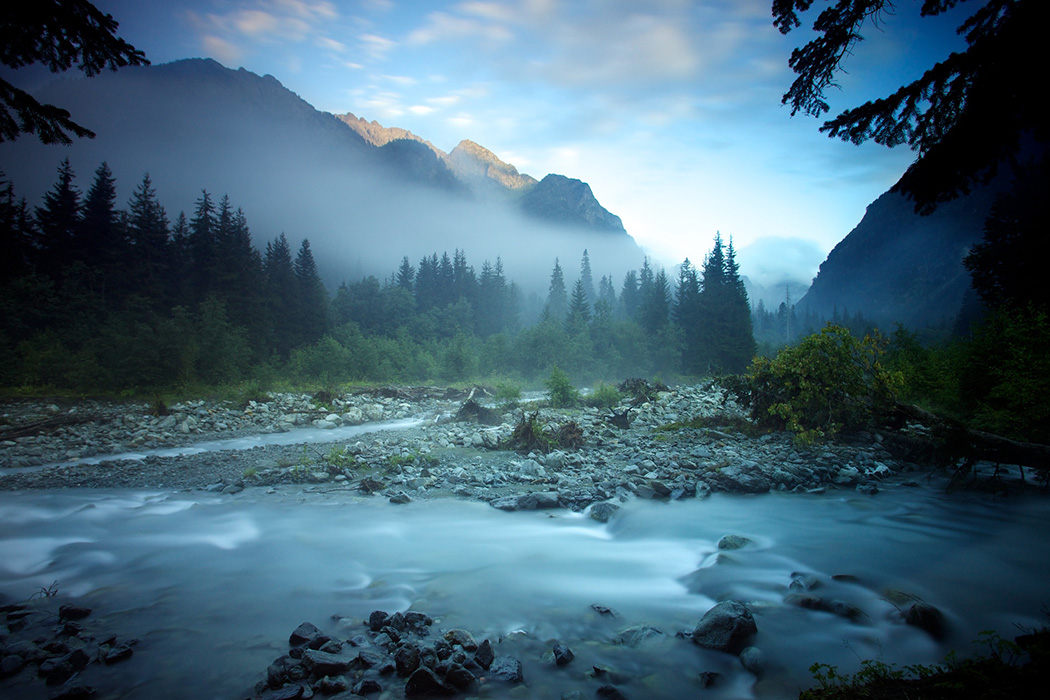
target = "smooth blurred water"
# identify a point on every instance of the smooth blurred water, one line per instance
(213, 585)
(296, 436)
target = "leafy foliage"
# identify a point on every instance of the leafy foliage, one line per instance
(560, 391)
(1011, 669)
(830, 382)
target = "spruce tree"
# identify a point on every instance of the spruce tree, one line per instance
(557, 297)
(587, 278)
(149, 244)
(57, 221)
(406, 275)
(313, 298)
(281, 296)
(579, 314)
(99, 241)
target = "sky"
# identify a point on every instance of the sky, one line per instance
(669, 109)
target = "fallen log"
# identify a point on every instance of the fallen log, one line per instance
(949, 441)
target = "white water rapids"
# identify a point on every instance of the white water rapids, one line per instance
(213, 585)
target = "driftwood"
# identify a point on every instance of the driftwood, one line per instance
(950, 442)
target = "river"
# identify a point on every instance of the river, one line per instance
(213, 585)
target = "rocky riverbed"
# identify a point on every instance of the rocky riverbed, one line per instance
(440, 456)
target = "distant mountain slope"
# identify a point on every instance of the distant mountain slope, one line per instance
(481, 168)
(560, 199)
(194, 125)
(899, 267)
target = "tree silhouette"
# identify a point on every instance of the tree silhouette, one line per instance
(59, 34)
(963, 116)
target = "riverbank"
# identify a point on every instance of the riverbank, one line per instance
(439, 456)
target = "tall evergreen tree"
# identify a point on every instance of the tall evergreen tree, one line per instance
(100, 241)
(579, 313)
(630, 297)
(686, 315)
(587, 278)
(313, 298)
(150, 245)
(57, 221)
(16, 234)
(557, 297)
(281, 295)
(202, 248)
(406, 275)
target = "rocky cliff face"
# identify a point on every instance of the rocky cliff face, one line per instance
(899, 267)
(481, 168)
(569, 201)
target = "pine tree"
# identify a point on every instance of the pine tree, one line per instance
(406, 275)
(686, 315)
(656, 304)
(579, 314)
(150, 245)
(312, 298)
(724, 313)
(16, 234)
(630, 299)
(557, 297)
(99, 241)
(281, 296)
(587, 278)
(57, 221)
(202, 249)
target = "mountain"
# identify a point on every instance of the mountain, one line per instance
(481, 169)
(563, 200)
(897, 266)
(194, 125)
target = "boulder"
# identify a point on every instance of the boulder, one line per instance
(725, 627)
(506, 668)
(927, 618)
(730, 542)
(424, 683)
(563, 655)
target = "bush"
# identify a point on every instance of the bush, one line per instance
(830, 382)
(603, 396)
(560, 391)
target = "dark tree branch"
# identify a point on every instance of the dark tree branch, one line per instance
(60, 34)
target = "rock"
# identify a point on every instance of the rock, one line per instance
(321, 663)
(304, 634)
(73, 612)
(506, 668)
(460, 677)
(563, 655)
(927, 618)
(120, 652)
(462, 638)
(484, 655)
(424, 683)
(609, 692)
(603, 511)
(730, 542)
(637, 635)
(376, 621)
(751, 658)
(406, 659)
(709, 679)
(366, 687)
(76, 691)
(11, 664)
(725, 627)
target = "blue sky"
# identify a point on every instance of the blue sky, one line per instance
(670, 109)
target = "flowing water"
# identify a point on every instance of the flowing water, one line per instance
(213, 585)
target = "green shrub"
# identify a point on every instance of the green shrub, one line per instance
(604, 396)
(830, 382)
(560, 391)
